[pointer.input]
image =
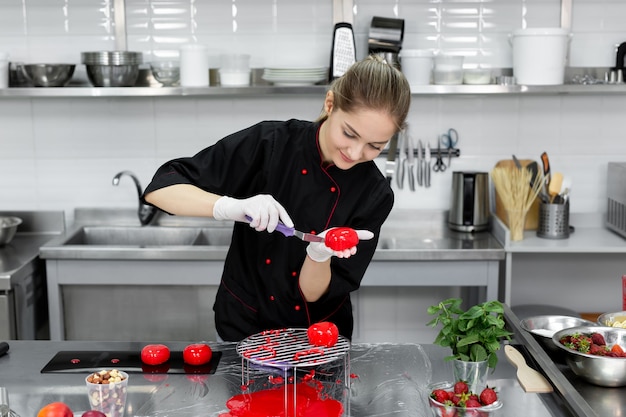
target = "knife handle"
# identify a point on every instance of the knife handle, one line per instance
(4, 348)
(287, 231)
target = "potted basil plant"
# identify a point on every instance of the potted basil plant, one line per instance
(474, 336)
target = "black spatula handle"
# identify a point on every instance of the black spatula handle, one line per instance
(4, 348)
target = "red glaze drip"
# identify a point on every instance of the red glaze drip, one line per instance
(275, 380)
(74, 361)
(271, 403)
(272, 353)
(298, 355)
(115, 360)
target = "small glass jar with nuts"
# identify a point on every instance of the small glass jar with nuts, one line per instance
(107, 391)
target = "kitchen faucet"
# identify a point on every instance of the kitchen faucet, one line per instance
(145, 212)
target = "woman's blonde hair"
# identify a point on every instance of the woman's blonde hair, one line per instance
(372, 84)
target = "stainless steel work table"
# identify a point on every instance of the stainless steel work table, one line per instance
(416, 248)
(386, 380)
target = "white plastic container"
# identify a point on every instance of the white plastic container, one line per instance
(235, 70)
(540, 55)
(417, 65)
(448, 69)
(4, 70)
(194, 65)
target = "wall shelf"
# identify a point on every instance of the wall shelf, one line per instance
(262, 90)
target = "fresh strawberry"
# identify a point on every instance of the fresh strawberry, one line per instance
(447, 411)
(461, 387)
(617, 349)
(440, 395)
(456, 399)
(598, 339)
(472, 403)
(597, 350)
(473, 397)
(488, 396)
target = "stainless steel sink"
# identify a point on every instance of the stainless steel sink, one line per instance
(137, 242)
(148, 236)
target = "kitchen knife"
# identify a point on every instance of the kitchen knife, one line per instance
(529, 379)
(546, 170)
(534, 172)
(390, 166)
(4, 348)
(411, 159)
(427, 166)
(420, 163)
(290, 231)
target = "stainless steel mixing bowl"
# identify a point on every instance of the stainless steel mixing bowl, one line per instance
(599, 370)
(8, 228)
(614, 319)
(112, 68)
(544, 326)
(48, 75)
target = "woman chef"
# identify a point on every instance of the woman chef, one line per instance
(311, 175)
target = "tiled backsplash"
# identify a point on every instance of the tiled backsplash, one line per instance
(59, 153)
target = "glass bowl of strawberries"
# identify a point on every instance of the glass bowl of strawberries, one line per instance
(449, 399)
(595, 353)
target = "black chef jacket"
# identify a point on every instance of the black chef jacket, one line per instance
(259, 288)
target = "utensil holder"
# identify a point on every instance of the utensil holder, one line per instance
(553, 221)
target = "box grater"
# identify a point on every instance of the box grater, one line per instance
(616, 193)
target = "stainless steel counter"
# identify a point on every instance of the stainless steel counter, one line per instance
(386, 380)
(416, 248)
(36, 229)
(23, 300)
(407, 235)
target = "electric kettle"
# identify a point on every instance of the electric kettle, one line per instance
(469, 205)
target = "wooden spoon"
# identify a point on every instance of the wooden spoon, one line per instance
(529, 379)
(554, 188)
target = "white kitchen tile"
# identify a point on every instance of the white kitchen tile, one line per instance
(578, 129)
(15, 46)
(591, 49)
(85, 128)
(12, 20)
(540, 122)
(52, 49)
(217, 17)
(89, 19)
(16, 134)
(542, 13)
(18, 184)
(47, 20)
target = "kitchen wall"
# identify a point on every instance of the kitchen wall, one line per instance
(61, 153)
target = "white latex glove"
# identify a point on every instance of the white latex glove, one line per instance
(319, 252)
(264, 210)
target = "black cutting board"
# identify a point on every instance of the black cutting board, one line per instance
(127, 361)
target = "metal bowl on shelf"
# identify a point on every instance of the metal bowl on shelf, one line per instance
(112, 68)
(604, 371)
(613, 319)
(543, 327)
(8, 228)
(48, 75)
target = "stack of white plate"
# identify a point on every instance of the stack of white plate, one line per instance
(295, 76)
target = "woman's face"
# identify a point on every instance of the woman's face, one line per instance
(347, 139)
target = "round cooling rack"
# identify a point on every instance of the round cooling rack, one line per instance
(289, 348)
